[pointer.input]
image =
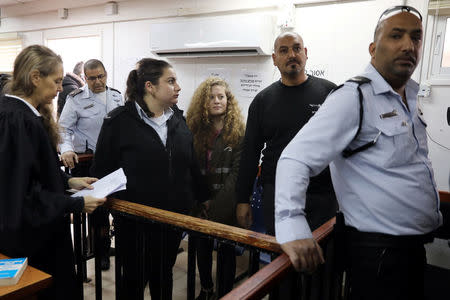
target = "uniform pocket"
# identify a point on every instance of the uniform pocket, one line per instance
(90, 111)
(89, 118)
(395, 140)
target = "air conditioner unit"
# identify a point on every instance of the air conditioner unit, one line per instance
(238, 35)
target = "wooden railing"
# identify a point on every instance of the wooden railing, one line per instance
(256, 286)
(85, 157)
(195, 227)
(239, 235)
(261, 283)
(444, 196)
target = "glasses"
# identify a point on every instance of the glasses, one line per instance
(397, 9)
(94, 78)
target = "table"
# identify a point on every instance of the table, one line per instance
(31, 282)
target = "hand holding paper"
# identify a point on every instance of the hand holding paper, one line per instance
(111, 183)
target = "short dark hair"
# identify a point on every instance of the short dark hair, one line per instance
(93, 64)
(78, 69)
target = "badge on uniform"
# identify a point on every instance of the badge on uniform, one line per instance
(89, 106)
(389, 114)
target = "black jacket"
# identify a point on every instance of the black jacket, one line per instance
(70, 82)
(166, 177)
(34, 220)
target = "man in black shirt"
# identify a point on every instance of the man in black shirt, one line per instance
(274, 117)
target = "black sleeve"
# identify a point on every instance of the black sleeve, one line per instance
(200, 186)
(65, 177)
(24, 199)
(106, 157)
(251, 152)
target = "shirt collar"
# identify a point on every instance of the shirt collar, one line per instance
(380, 85)
(33, 109)
(167, 113)
(87, 93)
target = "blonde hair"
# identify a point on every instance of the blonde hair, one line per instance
(199, 122)
(41, 58)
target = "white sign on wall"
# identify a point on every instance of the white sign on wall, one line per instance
(250, 83)
(223, 73)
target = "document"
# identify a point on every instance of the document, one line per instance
(114, 182)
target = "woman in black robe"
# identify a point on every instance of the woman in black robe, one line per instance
(34, 212)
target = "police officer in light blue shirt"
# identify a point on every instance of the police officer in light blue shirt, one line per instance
(81, 121)
(386, 191)
(82, 116)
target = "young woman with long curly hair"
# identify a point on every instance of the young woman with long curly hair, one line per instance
(216, 122)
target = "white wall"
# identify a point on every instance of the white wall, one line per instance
(129, 48)
(435, 106)
(337, 37)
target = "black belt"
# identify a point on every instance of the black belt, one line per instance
(374, 239)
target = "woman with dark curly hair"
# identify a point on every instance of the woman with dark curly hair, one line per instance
(215, 119)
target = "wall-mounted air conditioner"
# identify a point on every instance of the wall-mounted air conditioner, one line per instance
(238, 35)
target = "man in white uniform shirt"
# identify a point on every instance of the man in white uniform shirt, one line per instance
(81, 120)
(380, 169)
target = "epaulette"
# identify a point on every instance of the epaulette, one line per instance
(357, 79)
(114, 113)
(75, 92)
(360, 80)
(114, 90)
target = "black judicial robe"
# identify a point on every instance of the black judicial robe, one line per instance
(34, 219)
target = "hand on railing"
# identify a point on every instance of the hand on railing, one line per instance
(244, 215)
(304, 254)
(69, 159)
(262, 282)
(91, 203)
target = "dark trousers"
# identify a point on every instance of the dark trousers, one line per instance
(100, 217)
(319, 209)
(226, 257)
(148, 253)
(385, 271)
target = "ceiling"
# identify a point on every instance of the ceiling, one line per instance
(14, 8)
(4, 3)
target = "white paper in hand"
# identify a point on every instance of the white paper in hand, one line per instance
(111, 183)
